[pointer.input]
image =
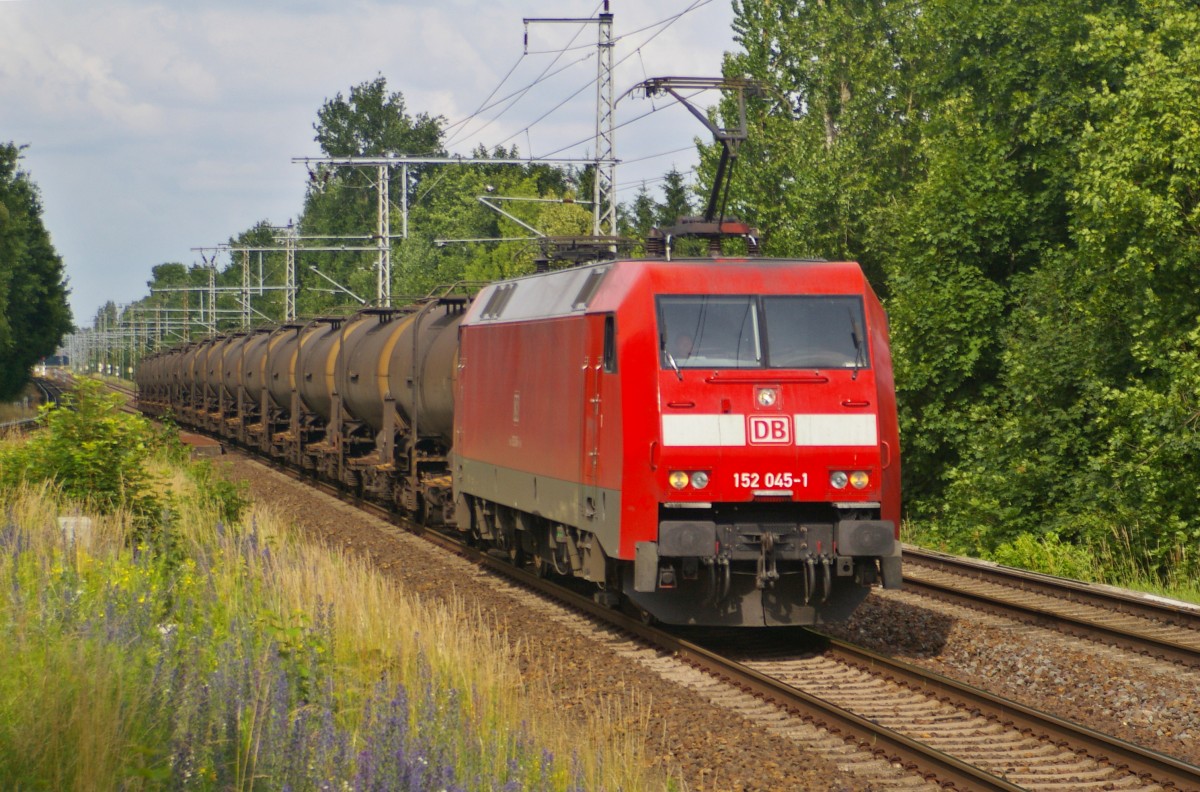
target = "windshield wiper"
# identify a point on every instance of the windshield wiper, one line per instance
(674, 365)
(662, 344)
(859, 358)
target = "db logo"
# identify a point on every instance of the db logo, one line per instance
(770, 430)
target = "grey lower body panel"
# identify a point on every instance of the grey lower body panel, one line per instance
(592, 509)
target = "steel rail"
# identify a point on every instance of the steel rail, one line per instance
(50, 392)
(1118, 753)
(1069, 591)
(871, 736)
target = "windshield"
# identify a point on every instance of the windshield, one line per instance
(811, 331)
(709, 332)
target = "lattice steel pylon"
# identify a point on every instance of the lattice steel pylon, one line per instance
(604, 194)
(289, 294)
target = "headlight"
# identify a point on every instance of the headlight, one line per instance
(678, 479)
(700, 479)
(838, 479)
(859, 479)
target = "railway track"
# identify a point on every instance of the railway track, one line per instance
(945, 732)
(994, 743)
(50, 391)
(1140, 623)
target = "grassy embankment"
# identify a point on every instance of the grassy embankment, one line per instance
(1113, 562)
(185, 640)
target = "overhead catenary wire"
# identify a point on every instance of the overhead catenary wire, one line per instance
(673, 102)
(520, 94)
(464, 126)
(656, 156)
(495, 90)
(698, 4)
(643, 182)
(662, 25)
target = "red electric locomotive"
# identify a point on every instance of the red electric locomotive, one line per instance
(714, 439)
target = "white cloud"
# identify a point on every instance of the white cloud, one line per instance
(160, 126)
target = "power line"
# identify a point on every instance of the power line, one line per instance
(672, 103)
(664, 20)
(644, 182)
(521, 93)
(663, 26)
(500, 84)
(656, 156)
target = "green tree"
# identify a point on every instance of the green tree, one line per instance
(34, 314)
(675, 203)
(642, 214)
(936, 143)
(1100, 363)
(342, 200)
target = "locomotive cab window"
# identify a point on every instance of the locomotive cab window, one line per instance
(769, 331)
(818, 331)
(708, 332)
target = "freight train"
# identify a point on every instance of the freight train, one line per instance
(709, 442)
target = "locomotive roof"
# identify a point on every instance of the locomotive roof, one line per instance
(575, 290)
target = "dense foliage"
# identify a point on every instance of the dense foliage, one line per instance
(1021, 181)
(34, 315)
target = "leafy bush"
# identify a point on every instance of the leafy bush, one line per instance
(216, 494)
(1048, 554)
(93, 452)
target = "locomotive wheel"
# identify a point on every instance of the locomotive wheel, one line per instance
(505, 538)
(632, 609)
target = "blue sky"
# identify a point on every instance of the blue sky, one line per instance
(154, 128)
